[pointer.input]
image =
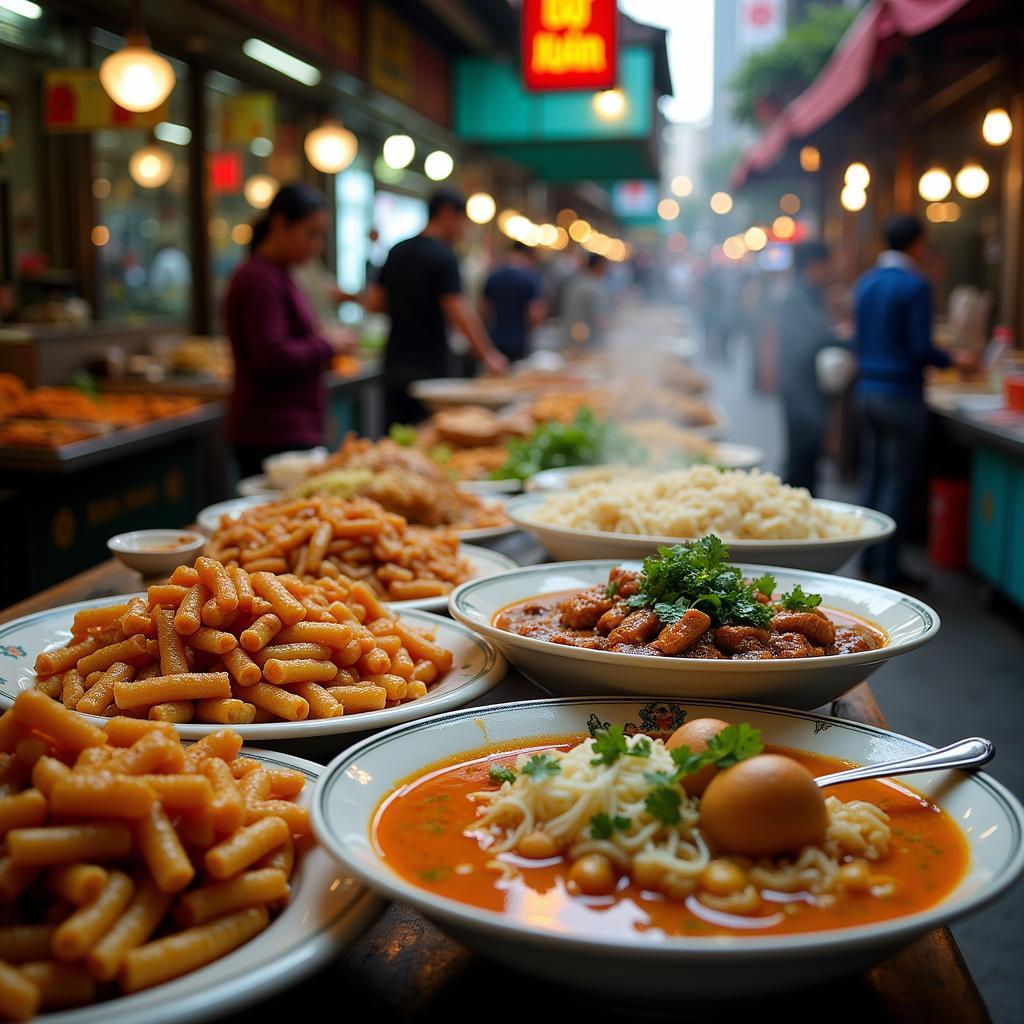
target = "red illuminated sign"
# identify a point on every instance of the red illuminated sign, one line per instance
(226, 172)
(569, 44)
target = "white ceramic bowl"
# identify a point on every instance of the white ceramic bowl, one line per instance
(157, 552)
(328, 910)
(824, 555)
(795, 682)
(286, 469)
(651, 966)
(477, 667)
(258, 485)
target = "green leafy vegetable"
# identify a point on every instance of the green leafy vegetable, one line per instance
(612, 589)
(609, 745)
(697, 575)
(501, 773)
(602, 826)
(663, 803)
(403, 434)
(586, 441)
(542, 766)
(797, 601)
(660, 778)
(734, 743)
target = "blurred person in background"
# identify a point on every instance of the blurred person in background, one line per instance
(512, 304)
(803, 331)
(893, 312)
(585, 303)
(278, 400)
(421, 288)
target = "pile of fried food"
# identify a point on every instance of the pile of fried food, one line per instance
(347, 541)
(131, 859)
(222, 645)
(402, 480)
(50, 417)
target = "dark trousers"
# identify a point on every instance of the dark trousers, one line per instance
(805, 432)
(894, 434)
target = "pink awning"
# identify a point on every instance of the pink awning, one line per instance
(844, 77)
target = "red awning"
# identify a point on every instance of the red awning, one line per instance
(844, 77)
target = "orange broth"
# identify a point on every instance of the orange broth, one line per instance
(418, 830)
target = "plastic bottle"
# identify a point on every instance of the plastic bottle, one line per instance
(997, 355)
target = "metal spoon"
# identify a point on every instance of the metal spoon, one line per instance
(969, 753)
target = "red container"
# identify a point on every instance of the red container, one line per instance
(1013, 389)
(948, 510)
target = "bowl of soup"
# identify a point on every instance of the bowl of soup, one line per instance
(156, 552)
(581, 841)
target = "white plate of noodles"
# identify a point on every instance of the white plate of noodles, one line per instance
(520, 910)
(763, 520)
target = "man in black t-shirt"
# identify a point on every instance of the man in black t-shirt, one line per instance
(419, 286)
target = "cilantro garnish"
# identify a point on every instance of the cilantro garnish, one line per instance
(501, 773)
(602, 826)
(609, 745)
(797, 601)
(642, 748)
(612, 589)
(697, 575)
(542, 766)
(734, 743)
(663, 803)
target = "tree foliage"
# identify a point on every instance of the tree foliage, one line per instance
(782, 71)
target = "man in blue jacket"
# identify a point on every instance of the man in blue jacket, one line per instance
(893, 309)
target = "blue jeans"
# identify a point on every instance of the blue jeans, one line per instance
(894, 433)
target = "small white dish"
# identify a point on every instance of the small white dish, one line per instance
(650, 965)
(252, 485)
(327, 911)
(477, 668)
(209, 518)
(286, 469)
(817, 554)
(792, 682)
(157, 552)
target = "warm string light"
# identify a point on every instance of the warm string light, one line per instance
(480, 208)
(810, 158)
(331, 147)
(151, 166)
(934, 185)
(997, 127)
(972, 180)
(721, 203)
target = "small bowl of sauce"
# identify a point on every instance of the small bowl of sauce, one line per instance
(156, 552)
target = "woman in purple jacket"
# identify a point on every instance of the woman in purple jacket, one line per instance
(279, 399)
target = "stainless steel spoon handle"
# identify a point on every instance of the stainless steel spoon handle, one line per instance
(969, 753)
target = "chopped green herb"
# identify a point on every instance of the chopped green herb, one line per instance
(734, 743)
(663, 803)
(612, 589)
(542, 766)
(797, 601)
(501, 773)
(660, 778)
(609, 745)
(602, 826)
(697, 575)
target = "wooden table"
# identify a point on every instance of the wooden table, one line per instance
(405, 969)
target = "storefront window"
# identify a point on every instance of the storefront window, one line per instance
(255, 145)
(355, 206)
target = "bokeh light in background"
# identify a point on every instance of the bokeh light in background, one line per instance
(579, 231)
(151, 166)
(972, 180)
(677, 242)
(784, 227)
(565, 217)
(100, 235)
(997, 127)
(668, 209)
(734, 248)
(790, 203)
(398, 151)
(241, 234)
(259, 190)
(682, 186)
(810, 158)
(721, 203)
(755, 238)
(101, 188)
(857, 175)
(852, 198)
(135, 77)
(610, 104)
(331, 147)
(934, 185)
(438, 165)
(480, 207)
